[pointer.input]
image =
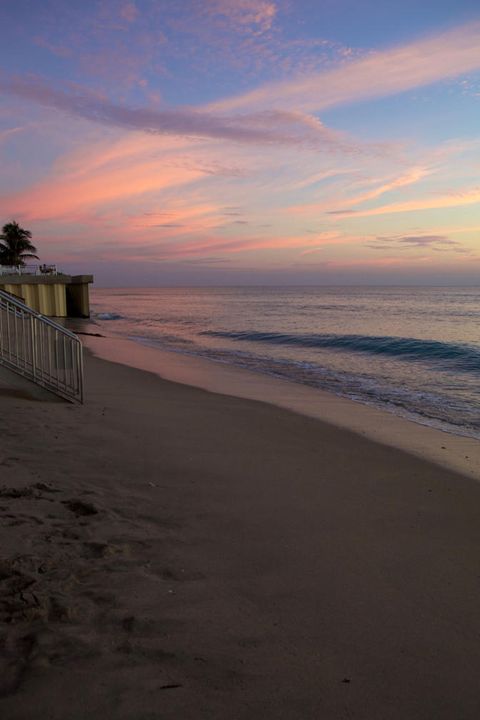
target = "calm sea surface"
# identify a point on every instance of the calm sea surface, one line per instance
(412, 351)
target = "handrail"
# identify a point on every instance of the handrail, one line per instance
(14, 301)
(40, 349)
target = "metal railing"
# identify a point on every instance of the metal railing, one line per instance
(28, 270)
(39, 349)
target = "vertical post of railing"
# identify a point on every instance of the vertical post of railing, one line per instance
(80, 373)
(15, 336)
(8, 336)
(49, 346)
(34, 347)
(1, 325)
(24, 342)
(57, 361)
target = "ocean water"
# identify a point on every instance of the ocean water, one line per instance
(411, 351)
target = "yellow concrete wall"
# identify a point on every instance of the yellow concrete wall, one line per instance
(13, 289)
(60, 300)
(30, 295)
(49, 300)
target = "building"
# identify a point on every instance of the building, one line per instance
(48, 291)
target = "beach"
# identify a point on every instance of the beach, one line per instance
(172, 551)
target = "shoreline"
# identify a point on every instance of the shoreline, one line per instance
(455, 452)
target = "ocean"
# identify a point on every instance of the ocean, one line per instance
(413, 351)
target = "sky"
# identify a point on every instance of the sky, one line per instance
(231, 142)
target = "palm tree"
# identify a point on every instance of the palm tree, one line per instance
(15, 245)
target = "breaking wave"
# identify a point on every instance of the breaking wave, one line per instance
(459, 357)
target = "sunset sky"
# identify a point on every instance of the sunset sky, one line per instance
(244, 141)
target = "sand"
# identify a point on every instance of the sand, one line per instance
(173, 553)
(461, 454)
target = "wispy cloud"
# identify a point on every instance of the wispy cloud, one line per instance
(411, 177)
(6, 134)
(279, 126)
(469, 196)
(256, 14)
(57, 49)
(380, 74)
(228, 246)
(344, 206)
(420, 240)
(411, 241)
(65, 194)
(178, 218)
(121, 45)
(437, 243)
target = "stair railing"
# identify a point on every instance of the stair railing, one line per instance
(40, 349)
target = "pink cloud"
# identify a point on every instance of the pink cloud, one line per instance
(59, 196)
(229, 246)
(129, 188)
(172, 220)
(128, 148)
(161, 248)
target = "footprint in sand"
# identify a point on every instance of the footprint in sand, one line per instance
(14, 660)
(18, 601)
(80, 508)
(29, 491)
(14, 493)
(9, 461)
(45, 487)
(101, 551)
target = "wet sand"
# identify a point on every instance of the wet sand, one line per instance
(456, 452)
(169, 552)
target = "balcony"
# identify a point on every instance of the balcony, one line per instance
(28, 270)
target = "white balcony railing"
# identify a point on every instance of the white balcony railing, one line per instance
(28, 270)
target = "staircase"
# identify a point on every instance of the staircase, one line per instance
(39, 349)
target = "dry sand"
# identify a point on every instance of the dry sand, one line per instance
(173, 553)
